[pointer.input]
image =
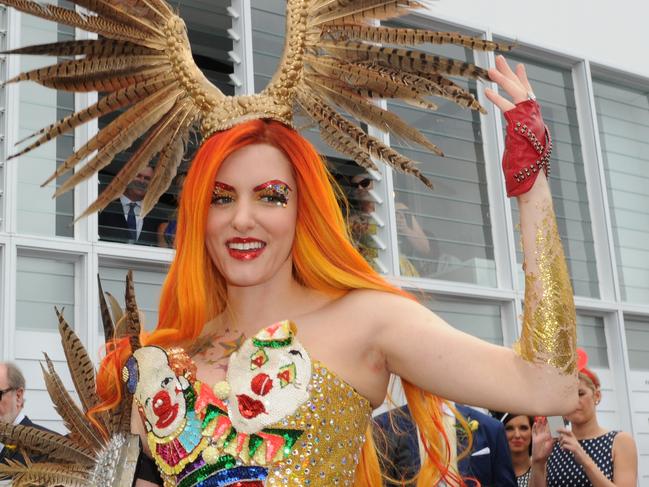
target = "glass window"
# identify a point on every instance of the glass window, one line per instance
(445, 233)
(478, 318)
(207, 24)
(38, 213)
(592, 338)
(41, 284)
(147, 284)
(554, 89)
(623, 119)
(637, 342)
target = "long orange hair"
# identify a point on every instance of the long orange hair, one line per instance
(323, 258)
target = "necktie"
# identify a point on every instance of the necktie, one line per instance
(131, 222)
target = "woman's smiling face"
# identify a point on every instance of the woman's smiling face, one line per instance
(251, 222)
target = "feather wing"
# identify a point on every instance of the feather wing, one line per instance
(129, 126)
(167, 166)
(326, 116)
(92, 23)
(371, 114)
(108, 104)
(154, 143)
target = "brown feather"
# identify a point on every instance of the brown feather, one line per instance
(94, 66)
(371, 78)
(121, 421)
(404, 36)
(106, 320)
(32, 474)
(325, 115)
(108, 104)
(74, 418)
(127, 17)
(152, 145)
(130, 126)
(167, 166)
(53, 445)
(104, 82)
(116, 310)
(364, 10)
(133, 327)
(96, 47)
(92, 23)
(371, 114)
(82, 370)
(406, 59)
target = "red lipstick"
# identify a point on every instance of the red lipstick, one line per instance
(245, 249)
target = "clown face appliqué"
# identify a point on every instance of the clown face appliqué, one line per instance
(268, 377)
(161, 396)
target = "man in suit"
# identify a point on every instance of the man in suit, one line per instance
(489, 460)
(120, 221)
(12, 400)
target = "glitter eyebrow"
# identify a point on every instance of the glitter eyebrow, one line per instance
(224, 187)
(276, 184)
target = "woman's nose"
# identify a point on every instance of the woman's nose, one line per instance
(243, 219)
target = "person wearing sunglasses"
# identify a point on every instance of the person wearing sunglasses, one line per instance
(12, 401)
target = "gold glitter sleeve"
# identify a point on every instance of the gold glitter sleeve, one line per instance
(549, 332)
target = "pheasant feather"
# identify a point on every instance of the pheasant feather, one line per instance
(404, 36)
(95, 47)
(108, 104)
(51, 445)
(81, 430)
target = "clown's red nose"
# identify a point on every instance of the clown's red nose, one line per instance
(261, 384)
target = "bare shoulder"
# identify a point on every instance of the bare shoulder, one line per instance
(623, 443)
(378, 303)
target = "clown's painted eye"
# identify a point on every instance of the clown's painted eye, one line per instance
(166, 381)
(286, 375)
(296, 352)
(258, 359)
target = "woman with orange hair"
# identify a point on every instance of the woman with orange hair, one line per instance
(262, 240)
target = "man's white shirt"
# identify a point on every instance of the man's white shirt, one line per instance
(126, 207)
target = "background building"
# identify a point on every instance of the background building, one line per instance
(588, 64)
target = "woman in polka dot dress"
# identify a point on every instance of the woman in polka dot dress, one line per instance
(587, 454)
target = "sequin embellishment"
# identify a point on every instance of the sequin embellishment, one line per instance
(317, 443)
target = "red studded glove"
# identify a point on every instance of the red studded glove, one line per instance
(525, 155)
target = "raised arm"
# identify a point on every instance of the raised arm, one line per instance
(539, 375)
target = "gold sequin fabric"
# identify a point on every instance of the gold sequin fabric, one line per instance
(334, 420)
(549, 333)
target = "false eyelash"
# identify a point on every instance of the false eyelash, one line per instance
(220, 193)
(275, 194)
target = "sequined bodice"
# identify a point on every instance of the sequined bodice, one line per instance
(334, 420)
(281, 419)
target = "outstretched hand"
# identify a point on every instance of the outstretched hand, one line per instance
(542, 441)
(514, 83)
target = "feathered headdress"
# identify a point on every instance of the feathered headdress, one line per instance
(335, 58)
(103, 454)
